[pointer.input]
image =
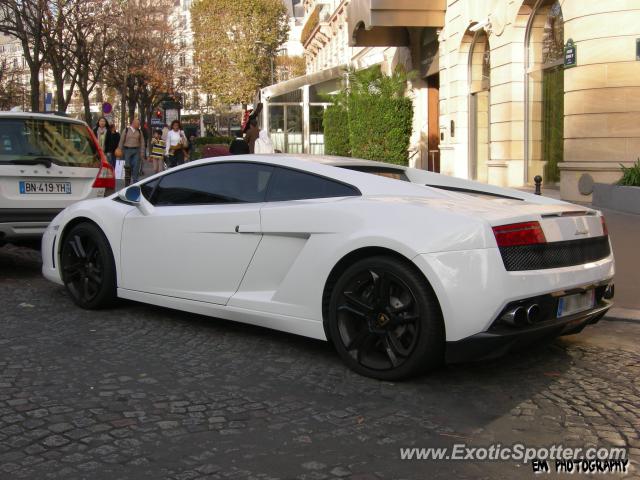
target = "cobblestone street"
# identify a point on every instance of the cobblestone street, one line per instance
(142, 392)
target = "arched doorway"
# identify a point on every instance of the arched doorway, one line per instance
(479, 106)
(544, 111)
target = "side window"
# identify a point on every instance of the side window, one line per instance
(148, 188)
(214, 183)
(295, 185)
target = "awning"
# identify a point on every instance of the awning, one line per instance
(299, 82)
(375, 23)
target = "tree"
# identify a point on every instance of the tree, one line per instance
(142, 67)
(12, 89)
(60, 50)
(30, 22)
(93, 45)
(235, 41)
(288, 67)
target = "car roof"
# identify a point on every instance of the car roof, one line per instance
(321, 165)
(41, 116)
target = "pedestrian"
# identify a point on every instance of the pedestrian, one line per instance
(251, 134)
(192, 146)
(116, 139)
(106, 140)
(175, 144)
(132, 147)
(263, 143)
(157, 151)
(238, 146)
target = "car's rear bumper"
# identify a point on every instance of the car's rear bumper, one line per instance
(492, 344)
(18, 224)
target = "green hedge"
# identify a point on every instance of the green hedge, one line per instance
(336, 131)
(213, 140)
(380, 128)
(372, 118)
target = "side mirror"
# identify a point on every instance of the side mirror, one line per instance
(133, 195)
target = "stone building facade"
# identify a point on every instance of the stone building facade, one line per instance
(542, 87)
(504, 90)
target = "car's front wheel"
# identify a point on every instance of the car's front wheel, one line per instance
(87, 267)
(384, 320)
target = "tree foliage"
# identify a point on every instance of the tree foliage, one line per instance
(29, 21)
(371, 118)
(234, 42)
(12, 89)
(336, 131)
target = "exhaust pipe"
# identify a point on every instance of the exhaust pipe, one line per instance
(533, 313)
(516, 317)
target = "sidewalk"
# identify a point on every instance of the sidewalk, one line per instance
(624, 230)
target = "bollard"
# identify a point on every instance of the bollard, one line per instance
(538, 180)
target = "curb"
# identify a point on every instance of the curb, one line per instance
(623, 314)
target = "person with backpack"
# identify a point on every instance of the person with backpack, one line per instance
(132, 149)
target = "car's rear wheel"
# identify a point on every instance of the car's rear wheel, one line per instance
(87, 267)
(385, 321)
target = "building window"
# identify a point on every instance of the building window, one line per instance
(479, 89)
(545, 92)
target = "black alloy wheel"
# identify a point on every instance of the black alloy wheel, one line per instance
(385, 320)
(87, 267)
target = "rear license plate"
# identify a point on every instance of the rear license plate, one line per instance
(575, 303)
(35, 188)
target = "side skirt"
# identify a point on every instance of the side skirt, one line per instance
(295, 325)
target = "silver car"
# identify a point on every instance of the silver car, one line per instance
(47, 162)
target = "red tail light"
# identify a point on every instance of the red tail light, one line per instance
(605, 230)
(526, 233)
(106, 177)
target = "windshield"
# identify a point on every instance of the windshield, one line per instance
(63, 143)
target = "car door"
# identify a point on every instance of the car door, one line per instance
(301, 221)
(199, 240)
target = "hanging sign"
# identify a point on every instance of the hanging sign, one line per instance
(570, 54)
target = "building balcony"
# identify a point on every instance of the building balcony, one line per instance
(383, 23)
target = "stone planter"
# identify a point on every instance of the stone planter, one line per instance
(616, 197)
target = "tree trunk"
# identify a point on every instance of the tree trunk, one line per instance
(35, 89)
(87, 106)
(123, 108)
(58, 79)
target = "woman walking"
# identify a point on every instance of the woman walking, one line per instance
(108, 143)
(176, 143)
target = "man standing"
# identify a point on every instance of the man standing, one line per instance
(133, 148)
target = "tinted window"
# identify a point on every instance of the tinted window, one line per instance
(214, 183)
(295, 185)
(148, 188)
(63, 143)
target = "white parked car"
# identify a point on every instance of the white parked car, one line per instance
(47, 162)
(398, 275)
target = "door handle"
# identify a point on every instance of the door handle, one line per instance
(250, 228)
